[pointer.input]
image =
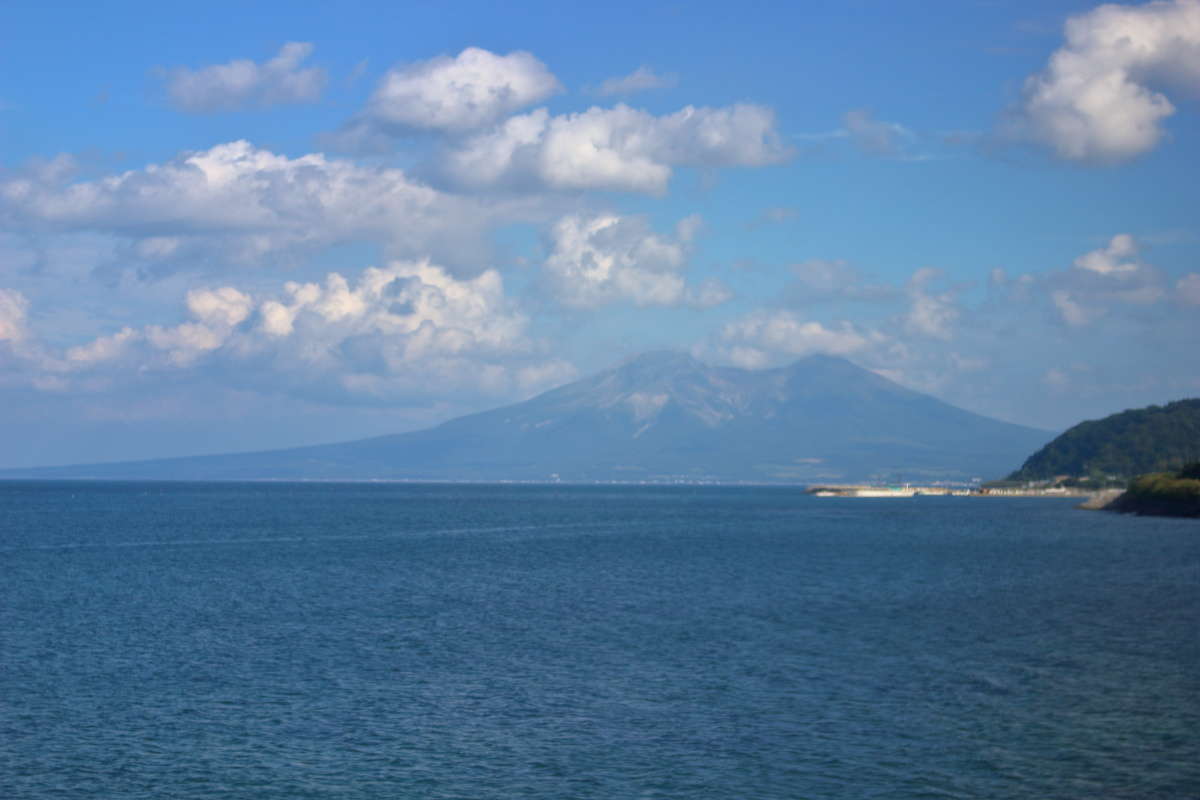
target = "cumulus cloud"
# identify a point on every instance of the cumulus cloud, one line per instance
(450, 95)
(1098, 99)
(641, 79)
(768, 337)
(403, 332)
(13, 306)
(242, 83)
(618, 148)
(602, 259)
(241, 204)
(225, 306)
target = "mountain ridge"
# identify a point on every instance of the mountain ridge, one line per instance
(659, 417)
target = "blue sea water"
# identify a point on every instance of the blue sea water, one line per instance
(402, 641)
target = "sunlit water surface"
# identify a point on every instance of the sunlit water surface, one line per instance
(397, 641)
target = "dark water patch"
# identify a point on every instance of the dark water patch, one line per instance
(361, 641)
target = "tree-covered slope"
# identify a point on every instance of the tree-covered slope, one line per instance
(1130, 443)
(1163, 494)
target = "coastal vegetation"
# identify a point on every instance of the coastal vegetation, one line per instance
(1156, 439)
(1175, 494)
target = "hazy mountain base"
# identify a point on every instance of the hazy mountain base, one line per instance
(663, 417)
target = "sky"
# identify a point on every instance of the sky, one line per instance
(281, 224)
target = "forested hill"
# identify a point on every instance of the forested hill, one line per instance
(1162, 494)
(1130, 443)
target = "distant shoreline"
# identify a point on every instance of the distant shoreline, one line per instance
(910, 490)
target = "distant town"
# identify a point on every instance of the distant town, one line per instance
(910, 490)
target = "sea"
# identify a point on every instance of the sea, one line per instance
(273, 640)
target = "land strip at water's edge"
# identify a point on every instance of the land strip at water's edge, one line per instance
(911, 490)
(1163, 494)
(1101, 500)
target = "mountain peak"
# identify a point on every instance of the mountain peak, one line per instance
(823, 361)
(661, 359)
(654, 367)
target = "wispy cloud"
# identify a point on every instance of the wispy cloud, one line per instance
(640, 80)
(775, 215)
(245, 84)
(875, 136)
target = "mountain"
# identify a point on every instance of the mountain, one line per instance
(1132, 442)
(660, 417)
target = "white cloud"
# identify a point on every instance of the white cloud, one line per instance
(1098, 100)
(243, 83)
(473, 89)
(236, 203)
(1187, 289)
(416, 302)
(768, 337)
(930, 314)
(618, 148)
(103, 348)
(1119, 257)
(13, 306)
(596, 260)
(641, 79)
(406, 332)
(224, 306)
(215, 312)
(186, 342)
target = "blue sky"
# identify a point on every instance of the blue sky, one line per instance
(257, 227)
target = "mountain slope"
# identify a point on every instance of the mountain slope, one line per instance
(1132, 442)
(660, 417)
